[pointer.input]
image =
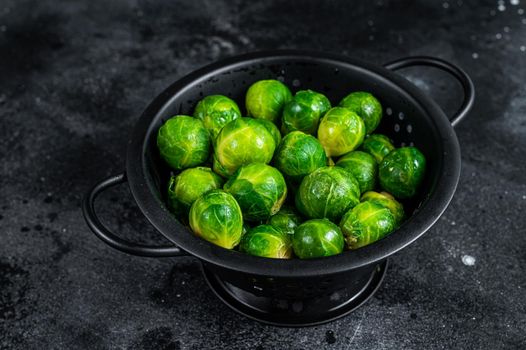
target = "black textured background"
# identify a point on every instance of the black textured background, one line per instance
(75, 76)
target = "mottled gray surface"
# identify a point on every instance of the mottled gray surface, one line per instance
(75, 76)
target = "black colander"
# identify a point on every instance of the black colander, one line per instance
(294, 292)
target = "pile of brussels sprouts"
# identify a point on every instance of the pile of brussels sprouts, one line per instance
(297, 177)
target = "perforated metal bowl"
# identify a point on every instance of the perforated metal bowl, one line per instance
(295, 292)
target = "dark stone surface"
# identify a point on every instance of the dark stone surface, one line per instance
(74, 77)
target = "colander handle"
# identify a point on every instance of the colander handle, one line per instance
(455, 71)
(108, 237)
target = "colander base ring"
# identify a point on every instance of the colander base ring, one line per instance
(295, 313)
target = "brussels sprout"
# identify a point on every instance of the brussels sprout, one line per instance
(189, 185)
(304, 111)
(388, 201)
(317, 238)
(299, 154)
(327, 193)
(243, 141)
(217, 218)
(340, 131)
(286, 220)
(265, 99)
(216, 111)
(401, 171)
(366, 223)
(268, 242)
(272, 129)
(259, 189)
(378, 146)
(366, 106)
(183, 142)
(363, 167)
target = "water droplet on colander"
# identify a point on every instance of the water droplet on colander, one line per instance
(498, 36)
(506, 29)
(514, 2)
(388, 111)
(523, 48)
(520, 11)
(396, 127)
(475, 55)
(409, 128)
(280, 78)
(501, 7)
(445, 5)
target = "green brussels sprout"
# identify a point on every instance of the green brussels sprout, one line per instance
(268, 242)
(241, 142)
(327, 192)
(298, 155)
(259, 189)
(286, 220)
(340, 131)
(317, 238)
(366, 223)
(304, 111)
(265, 99)
(189, 185)
(363, 166)
(272, 129)
(378, 146)
(366, 106)
(401, 171)
(216, 111)
(217, 218)
(388, 201)
(183, 142)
